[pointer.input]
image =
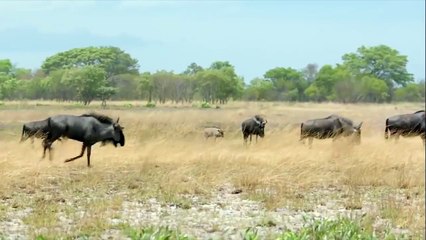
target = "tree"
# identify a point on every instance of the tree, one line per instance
(346, 91)
(373, 89)
(161, 83)
(126, 86)
(412, 92)
(260, 89)
(218, 65)
(58, 87)
(87, 81)
(288, 83)
(324, 86)
(5, 66)
(8, 86)
(193, 69)
(310, 72)
(146, 85)
(22, 73)
(105, 93)
(219, 83)
(112, 60)
(381, 62)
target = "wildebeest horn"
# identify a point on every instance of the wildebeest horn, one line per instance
(257, 121)
(360, 124)
(118, 119)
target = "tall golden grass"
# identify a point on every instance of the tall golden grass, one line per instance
(166, 154)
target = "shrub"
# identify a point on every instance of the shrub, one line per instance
(150, 105)
(250, 234)
(205, 105)
(162, 233)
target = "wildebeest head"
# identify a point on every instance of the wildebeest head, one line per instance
(118, 135)
(351, 130)
(221, 133)
(261, 122)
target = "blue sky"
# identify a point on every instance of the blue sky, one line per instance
(254, 36)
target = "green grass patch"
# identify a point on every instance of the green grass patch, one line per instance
(343, 228)
(151, 233)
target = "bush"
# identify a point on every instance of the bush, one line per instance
(150, 105)
(250, 234)
(205, 105)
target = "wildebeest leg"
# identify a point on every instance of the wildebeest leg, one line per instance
(302, 139)
(89, 151)
(83, 149)
(250, 138)
(310, 140)
(47, 145)
(245, 136)
(396, 138)
(256, 137)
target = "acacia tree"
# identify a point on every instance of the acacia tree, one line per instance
(288, 82)
(324, 86)
(380, 62)
(219, 83)
(260, 89)
(193, 69)
(87, 82)
(112, 60)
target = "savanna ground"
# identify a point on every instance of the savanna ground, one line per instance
(168, 175)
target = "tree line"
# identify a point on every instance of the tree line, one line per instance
(371, 74)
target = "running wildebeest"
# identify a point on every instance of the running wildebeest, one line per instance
(406, 125)
(213, 132)
(253, 126)
(333, 126)
(87, 128)
(33, 129)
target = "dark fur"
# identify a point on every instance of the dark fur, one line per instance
(406, 125)
(87, 128)
(333, 126)
(38, 129)
(253, 126)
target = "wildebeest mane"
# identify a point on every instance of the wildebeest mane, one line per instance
(345, 120)
(100, 117)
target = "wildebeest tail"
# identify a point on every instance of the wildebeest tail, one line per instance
(48, 133)
(23, 133)
(387, 129)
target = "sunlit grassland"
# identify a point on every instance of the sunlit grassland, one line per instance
(166, 157)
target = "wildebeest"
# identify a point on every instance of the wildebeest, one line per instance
(213, 132)
(87, 128)
(33, 129)
(253, 126)
(333, 126)
(406, 125)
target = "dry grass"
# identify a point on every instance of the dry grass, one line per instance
(166, 156)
